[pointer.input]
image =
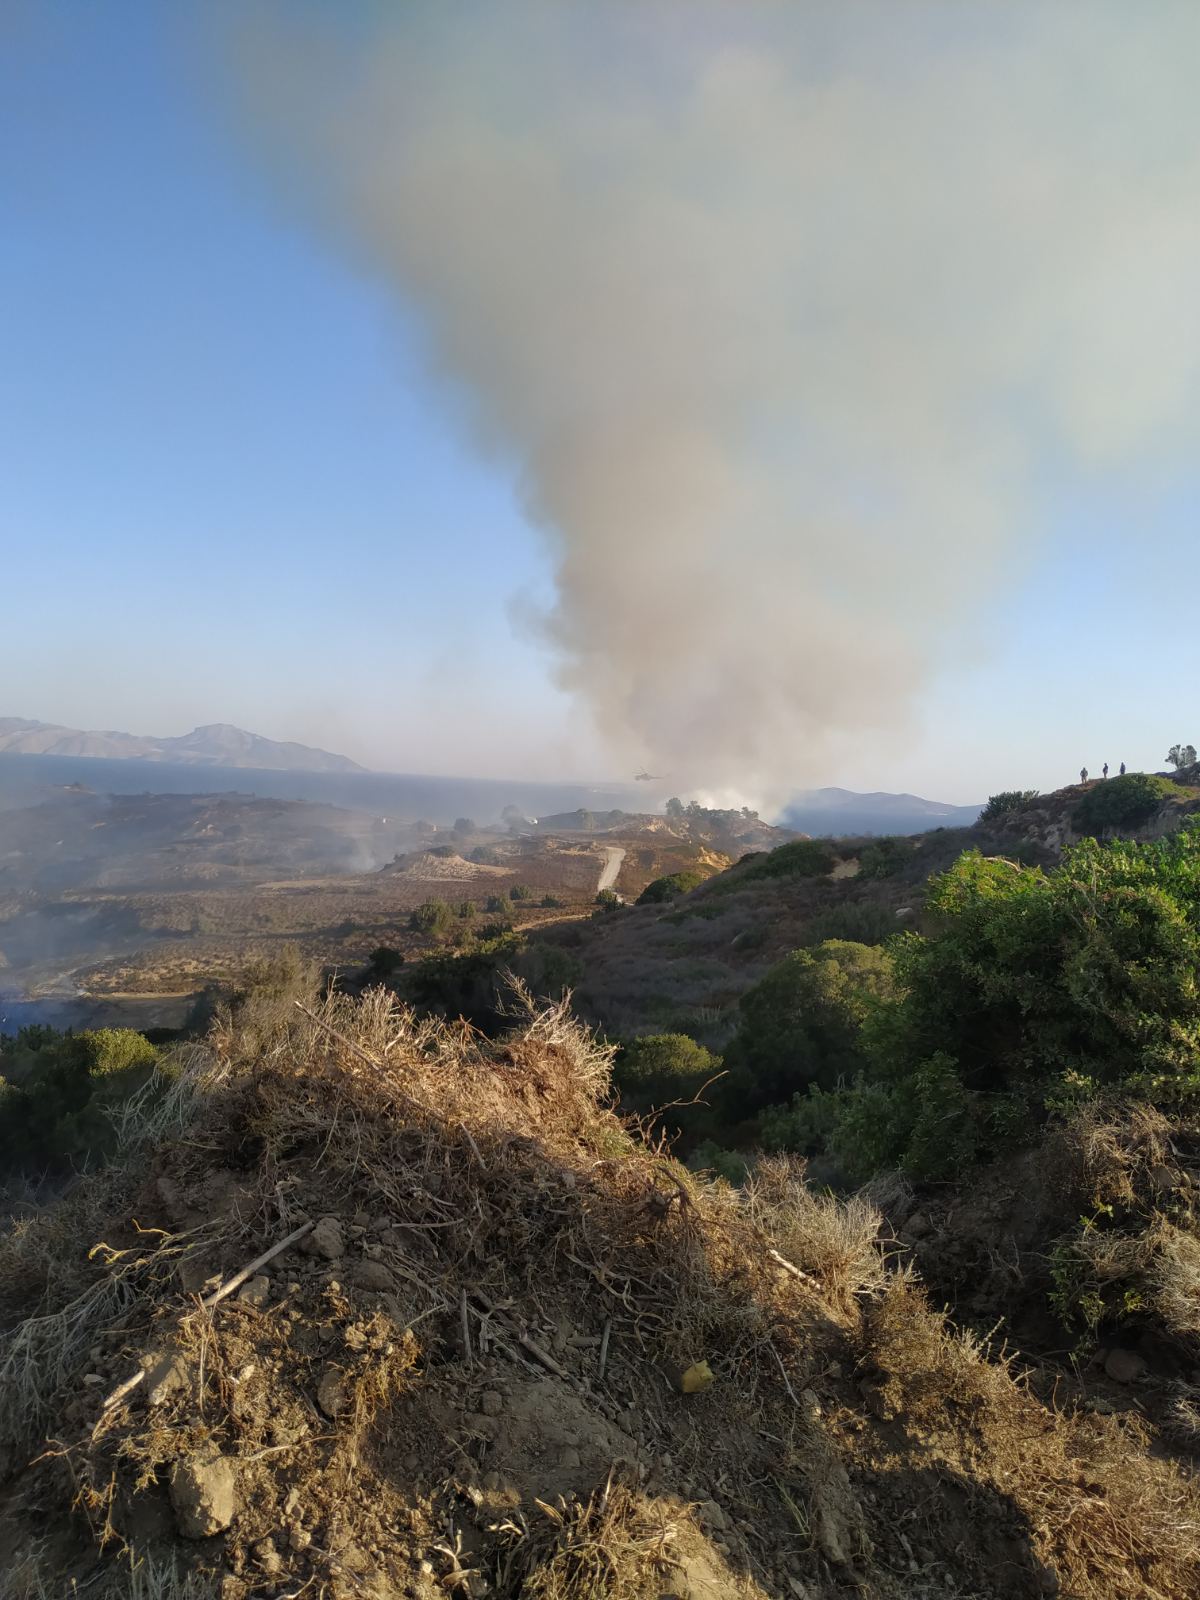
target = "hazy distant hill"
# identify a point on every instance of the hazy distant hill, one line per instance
(216, 745)
(842, 811)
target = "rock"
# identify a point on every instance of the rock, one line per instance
(1047, 1578)
(372, 1275)
(299, 1539)
(491, 1403)
(204, 1495)
(712, 1515)
(361, 1219)
(491, 1480)
(570, 1459)
(268, 1557)
(1163, 1179)
(1124, 1366)
(331, 1391)
(325, 1240)
(917, 1226)
(256, 1291)
(167, 1376)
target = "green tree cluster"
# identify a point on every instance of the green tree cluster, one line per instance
(802, 1024)
(55, 1089)
(1034, 987)
(1006, 803)
(671, 886)
(1124, 802)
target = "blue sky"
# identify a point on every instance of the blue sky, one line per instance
(234, 488)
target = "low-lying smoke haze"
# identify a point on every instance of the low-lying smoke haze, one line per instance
(784, 314)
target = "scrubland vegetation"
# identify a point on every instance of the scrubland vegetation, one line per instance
(643, 1304)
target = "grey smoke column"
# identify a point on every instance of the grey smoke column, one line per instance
(785, 313)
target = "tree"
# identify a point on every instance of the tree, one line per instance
(802, 1023)
(608, 899)
(464, 825)
(674, 809)
(520, 891)
(1182, 755)
(660, 1069)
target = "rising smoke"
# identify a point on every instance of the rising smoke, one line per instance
(786, 313)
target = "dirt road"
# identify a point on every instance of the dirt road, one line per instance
(613, 857)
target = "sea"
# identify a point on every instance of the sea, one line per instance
(399, 796)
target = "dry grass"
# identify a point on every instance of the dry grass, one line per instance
(614, 1546)
(510, 1203)
(1108, 1519)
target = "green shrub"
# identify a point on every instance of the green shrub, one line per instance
(728, 1164)
(470, 985)
(799, 858)
(802, 1023)
(1032, 981)
(662, 1069)
(608, 900)
(669, 887)
(383, 961)
(883, 858)
(520, 891)
(433, 918)
(860, 921)
(495, 904)
(551, 902)
(1125, 802)
(1006, 802)
(55, 1090)
(466, 910)
(548, 969)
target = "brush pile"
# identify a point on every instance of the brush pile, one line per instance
(509, 1349)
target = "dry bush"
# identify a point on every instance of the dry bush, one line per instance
(835, 1240)
(1108, 1517)
(615, 1546)
(511, 1202)
(1174, 1279)
(61, 1283)
(1103, 1154)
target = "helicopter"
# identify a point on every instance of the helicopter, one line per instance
(649, 777)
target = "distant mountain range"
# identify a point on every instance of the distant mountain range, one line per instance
(215, 745)
(842, 811)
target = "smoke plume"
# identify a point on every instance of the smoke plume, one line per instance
(786, 313)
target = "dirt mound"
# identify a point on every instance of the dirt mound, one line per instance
(425, 864)
(507, 1349)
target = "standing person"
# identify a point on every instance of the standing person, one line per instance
(1122, 769)
(1083, 774)
(1104, 769)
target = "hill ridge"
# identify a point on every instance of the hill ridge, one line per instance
(211, 744)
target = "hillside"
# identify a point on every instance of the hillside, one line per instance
(215, 745)
(835, 812)
(417, 1315)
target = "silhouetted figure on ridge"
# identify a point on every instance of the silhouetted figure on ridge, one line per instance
(1083, 774)
(1122, 769)
(1104, 770)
